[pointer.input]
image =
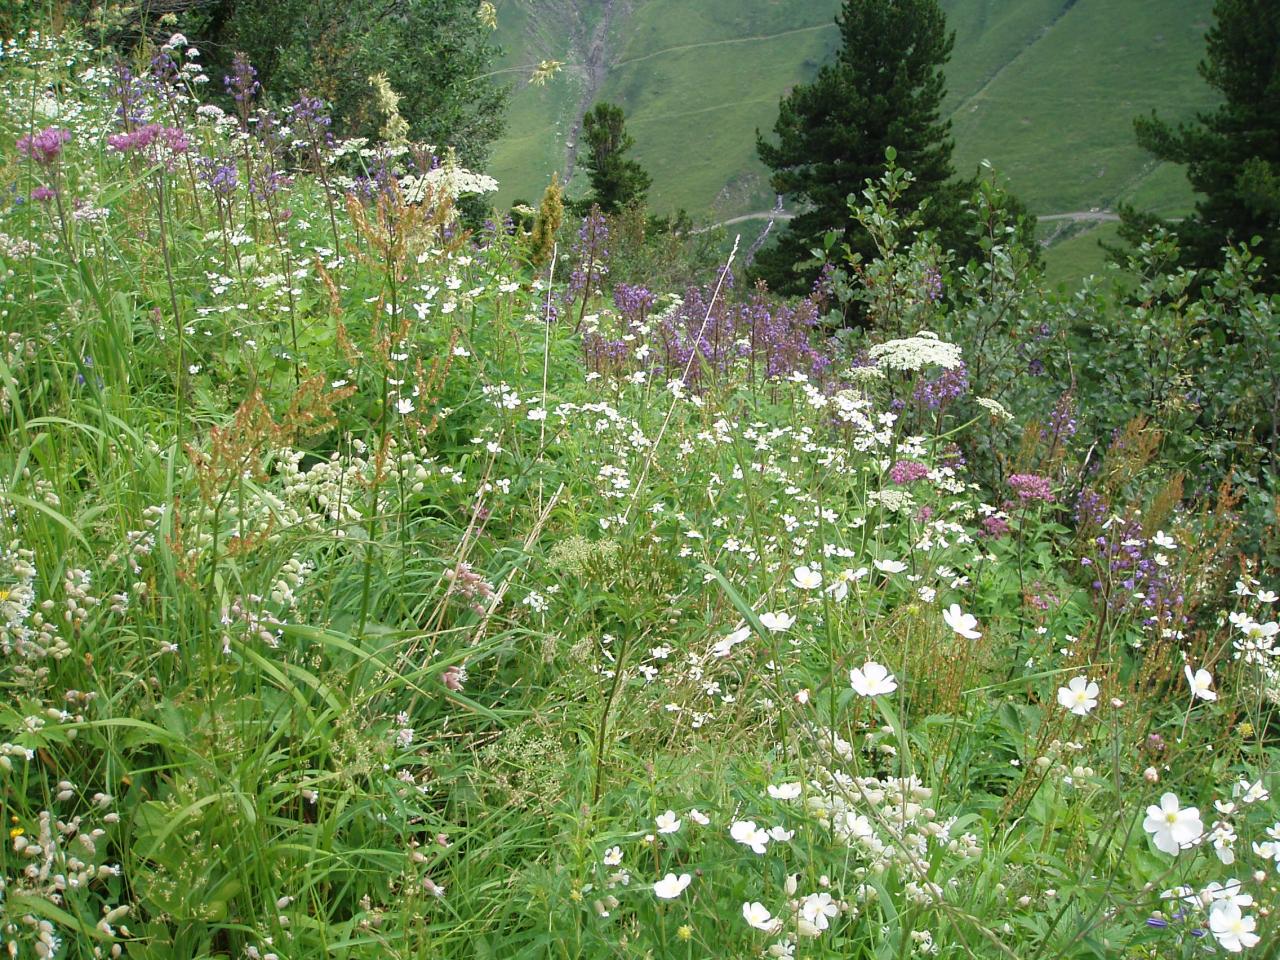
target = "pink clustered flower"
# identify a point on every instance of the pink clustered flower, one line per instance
(43, 194)
(172, 138)
(994, 527)
(471, 586)
(44, 147)
(908, 471)
(1031, 487)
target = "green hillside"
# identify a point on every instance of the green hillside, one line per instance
(1044, 89)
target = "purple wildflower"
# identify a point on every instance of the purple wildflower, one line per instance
(1031, 487)
(590, 255)
(220, 174)
(1090, 507)
(130, 94)
(907, 471)
(947, 386)
(242, 83)
(993, 528)
(45, 146)
(932, 284)
(163, 144)
(1062, 420)
(165, 75)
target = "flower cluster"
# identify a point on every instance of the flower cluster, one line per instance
(1031, 488)
(44, 147)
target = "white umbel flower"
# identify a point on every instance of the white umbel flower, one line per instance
(915, 353)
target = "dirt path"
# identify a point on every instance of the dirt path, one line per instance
(1082, 216)
(1072, 216)
(728, 40)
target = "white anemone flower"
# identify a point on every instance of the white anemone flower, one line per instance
(757, 915)
(1171, 826)
(671, 886)
(872, 680)
(784, 791)
(1079, 696)
(1250, 792)
(1201, 683)
(1230, 892)
(889, 566)
(777, 622)
(818, 909)
(806, 578)
(961, 622)
(724, 646)
(1232, 930)
(668, 822)
(1260, 631)
(749, 835)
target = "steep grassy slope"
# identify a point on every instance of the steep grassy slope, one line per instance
(696, 81)
(1058, 117)
(1044, 89)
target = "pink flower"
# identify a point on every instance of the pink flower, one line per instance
(453, 677)
(173, 139)
(1030, 487)
(908, 471)
(44, 146)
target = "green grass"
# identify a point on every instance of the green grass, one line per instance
(376, 596)
(1079, 254)
(1058, 118)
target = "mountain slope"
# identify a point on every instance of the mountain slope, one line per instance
(1044, 89)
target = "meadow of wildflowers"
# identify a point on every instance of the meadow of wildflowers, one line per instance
(366, 591)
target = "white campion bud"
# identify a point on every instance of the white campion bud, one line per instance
(806, 929)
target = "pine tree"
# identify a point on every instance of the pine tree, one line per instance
(616, 181)
(1232, 154)
(885, 89)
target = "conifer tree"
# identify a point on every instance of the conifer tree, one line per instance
(1232, 153)
(616, 181)
(885, 89)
